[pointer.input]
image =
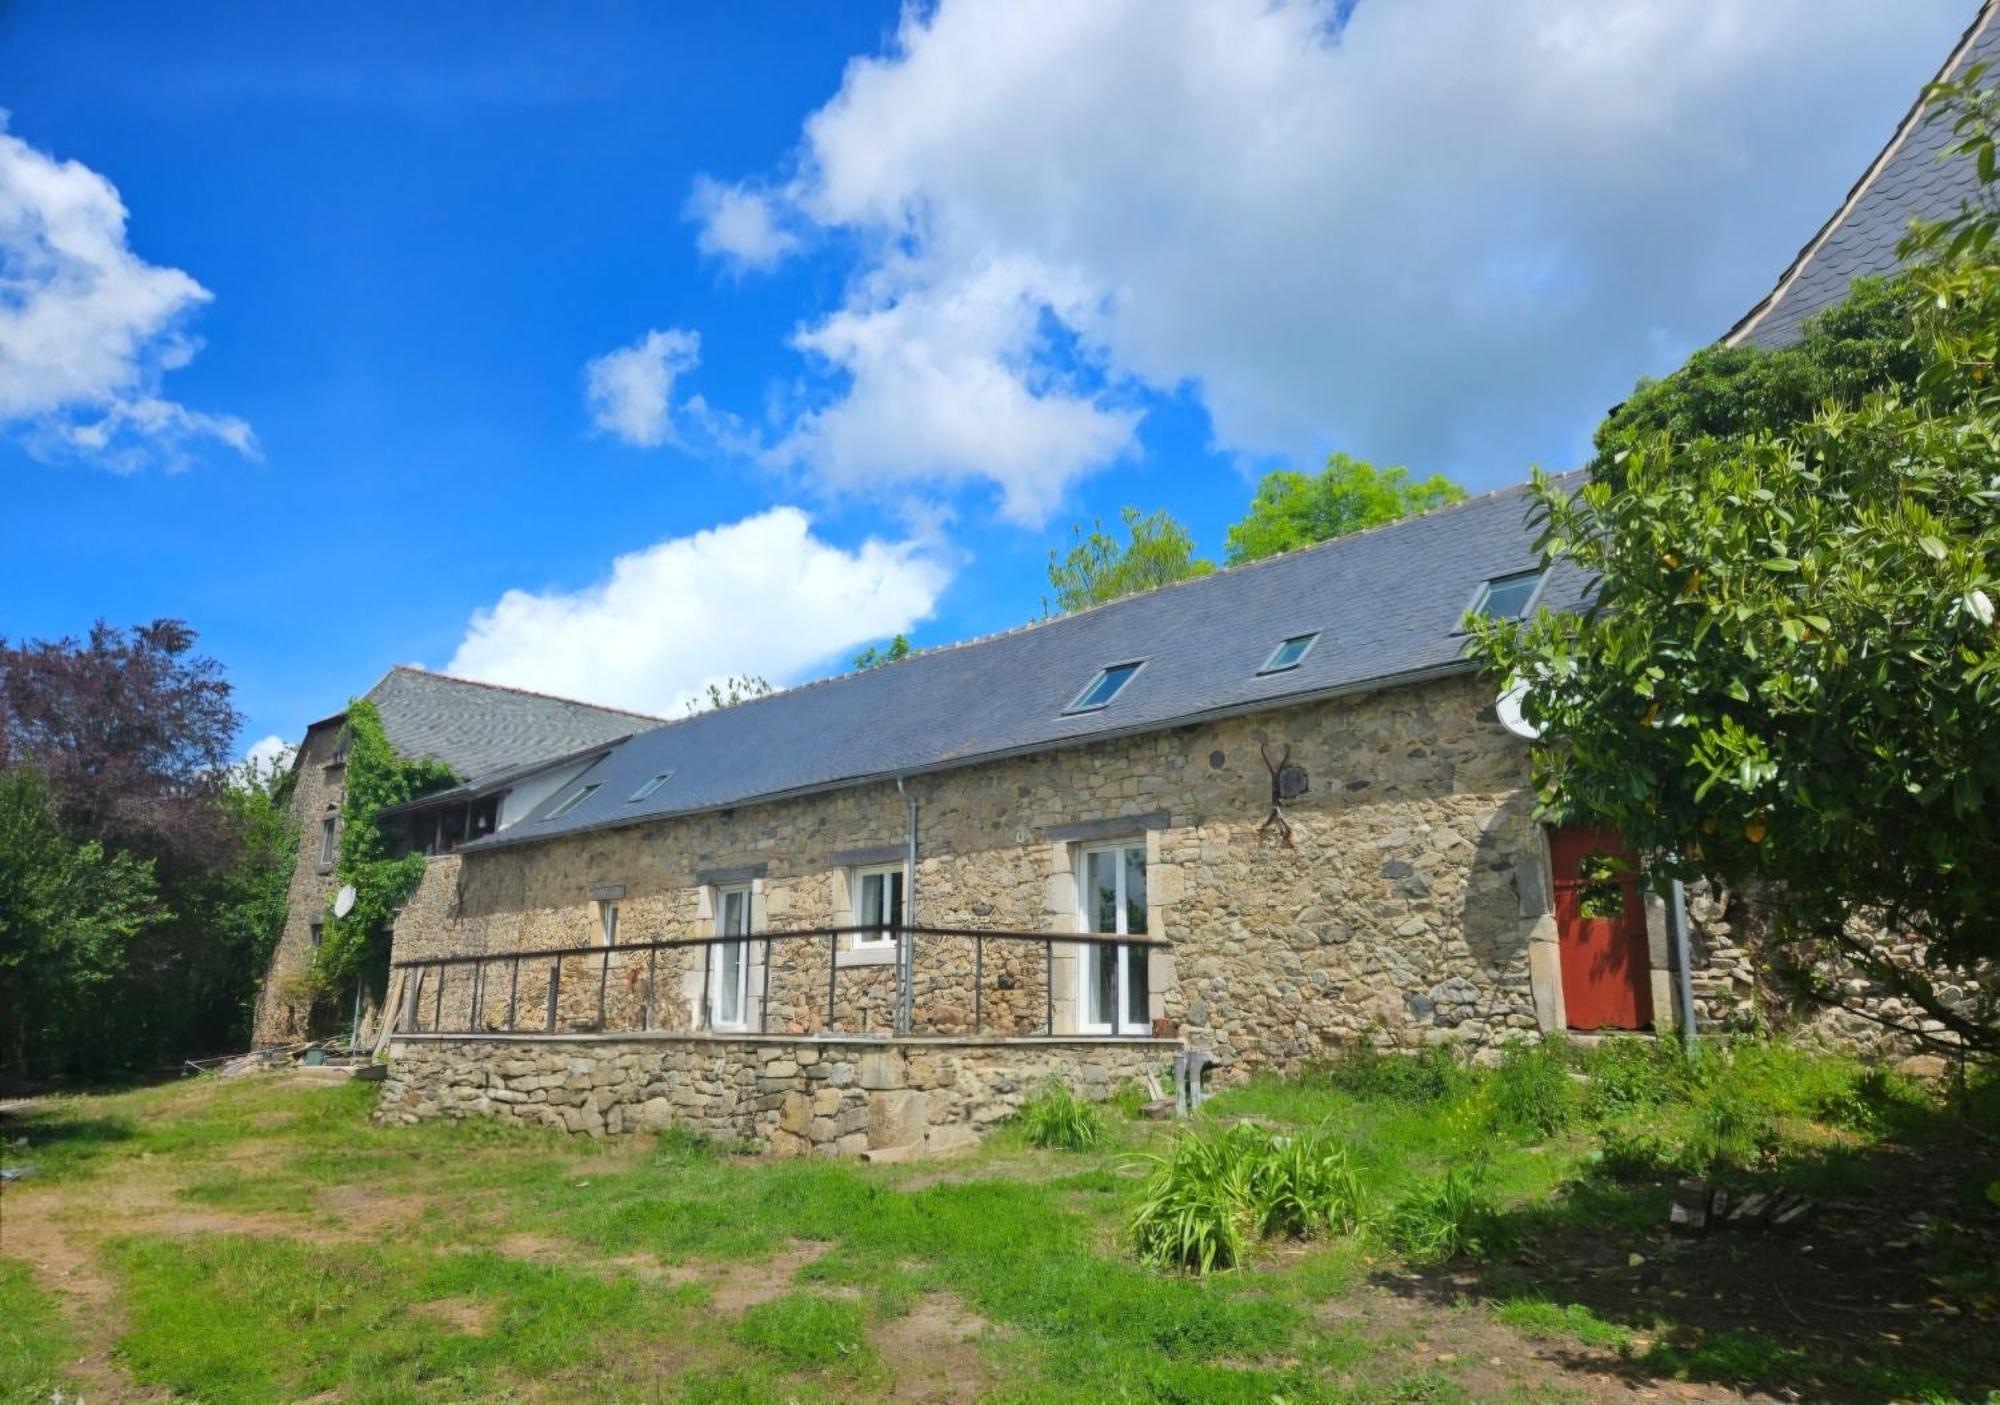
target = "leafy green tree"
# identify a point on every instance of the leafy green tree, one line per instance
(1861, 345)
(872, 657)
(1790, 675)
(1293, 509)
(68, 913)
(729, 692)
(1098, 567)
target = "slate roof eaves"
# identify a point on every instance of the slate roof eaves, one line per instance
(1387, 602)
(1777, 318)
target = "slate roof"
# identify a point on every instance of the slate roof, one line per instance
(481, 728)
(1905, 181)
(1387, 603)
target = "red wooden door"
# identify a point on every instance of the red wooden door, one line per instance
(1601, 923)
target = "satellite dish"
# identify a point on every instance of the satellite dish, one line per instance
(1509, 709)
(343, 901)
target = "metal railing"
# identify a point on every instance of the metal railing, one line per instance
(435, 972)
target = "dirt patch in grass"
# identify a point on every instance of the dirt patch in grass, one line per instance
(66, 1269)
(364, 1210)
(467, 1315)
(736, 1287)
(932, 1352)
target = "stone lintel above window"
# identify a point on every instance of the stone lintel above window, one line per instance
(1117, 827)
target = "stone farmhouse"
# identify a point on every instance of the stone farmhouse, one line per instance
(1259, 815)
(511, 748)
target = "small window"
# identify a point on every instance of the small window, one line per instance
(1289, 654)
(607, 922)
(329, 832)
(650, 786)
(1103, 688)
(576, 798)
(316, 934)
(878, 903)
(1507, 597)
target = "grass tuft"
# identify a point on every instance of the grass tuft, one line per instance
(1450, 1216)
(1056, 1119)
(1212, 1191)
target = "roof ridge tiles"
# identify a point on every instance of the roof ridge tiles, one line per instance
(421, 672)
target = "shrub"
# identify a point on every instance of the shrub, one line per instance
(1211, 1191)
(1368, 1072)
(1631, 1075)
(1448, 1217)
(1626, 1154)
(1532, 1092)
(1303, 1185)
(1058, 1120)
(1732, 1127)
(1195, 1211)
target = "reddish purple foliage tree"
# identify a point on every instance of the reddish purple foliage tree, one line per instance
(132, 730)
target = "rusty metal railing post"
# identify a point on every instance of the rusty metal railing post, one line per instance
(1049, 983)
(707, 956)
(603, 980)
(513, 990)
(437, 1015)
(478, 996)
(555, 986)
(832, 974)
(764, 995)
(652, 970)
(978, 980)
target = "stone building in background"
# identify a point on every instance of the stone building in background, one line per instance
(509, 748)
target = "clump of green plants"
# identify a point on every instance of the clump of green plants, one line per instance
(1451, 1216)
(1212, 1192)
(1056, 1119)
(1532, 1093)
(1432, 1076)
(1627, 1076)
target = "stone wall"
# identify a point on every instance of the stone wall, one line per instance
(284, 1010)
(1403, 906)
(793, 1097)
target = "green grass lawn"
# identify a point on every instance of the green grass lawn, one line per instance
(262, 1240)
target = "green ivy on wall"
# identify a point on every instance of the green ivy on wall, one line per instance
(377, 779)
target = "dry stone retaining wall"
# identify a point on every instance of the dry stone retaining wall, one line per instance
(792, 1097)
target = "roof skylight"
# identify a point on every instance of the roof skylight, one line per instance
(1507, 597)
(651, 785)
(1291, 653)
(576, 798)
(1104, 687)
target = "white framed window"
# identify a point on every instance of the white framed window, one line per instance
(729, 961)
(1507, 597)
(1290, 654)
(329, 836)
(1107, 684)
(607, 923)
(575, 798)
(878, 903)
(1114, 993)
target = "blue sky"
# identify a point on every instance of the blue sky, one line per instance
(616, 348)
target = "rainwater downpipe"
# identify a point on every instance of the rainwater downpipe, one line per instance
(1677, 934)
(907, 940)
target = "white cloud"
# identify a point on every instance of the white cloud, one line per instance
(762, 596)
(87, 328)
(738, 224)
(1449, 233)
(272, 753)
(948, 381)
(630, 392)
